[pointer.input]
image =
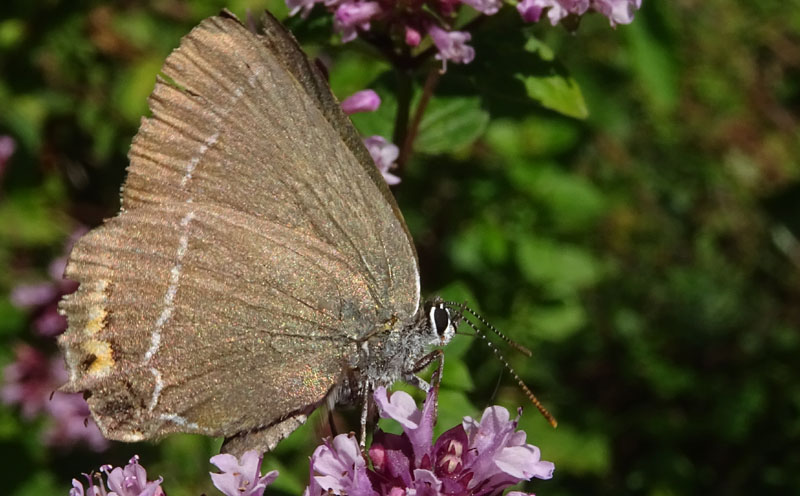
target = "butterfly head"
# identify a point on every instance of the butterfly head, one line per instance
(441, 321)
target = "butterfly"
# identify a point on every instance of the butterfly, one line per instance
(259, 265)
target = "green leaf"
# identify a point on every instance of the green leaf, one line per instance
(553, 87)
(30, 218)
(482, 244)
(450, 124)
(560, 268)
(451, 121)
(38, 483)
(535, 136)
(356, 71)
(12, 319)
(458, 375)
(134, 86)
(558, 321)
(653, 60)
(572, 451)
(515, 72)
(288, 482)
(557, 92)
(185, 458)
(573, 202)
(12, 31)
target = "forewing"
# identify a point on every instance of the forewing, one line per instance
(252, 249)
(237, 124)
(281, 43)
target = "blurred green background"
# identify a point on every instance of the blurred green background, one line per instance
(626, 203)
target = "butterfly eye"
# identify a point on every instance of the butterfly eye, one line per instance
(440, 318)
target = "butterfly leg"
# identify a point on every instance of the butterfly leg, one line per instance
(366, 392)
(418, 382)
(436, 379)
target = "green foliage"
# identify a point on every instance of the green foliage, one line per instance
(553, 88)
(622, 202)
(450, 124)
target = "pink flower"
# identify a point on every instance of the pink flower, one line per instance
(31, 382)
(302, 6)
(417, 424)
(128, 481)
(617, 11)
(339, 468)
(488, 7)
(560, 9)
(472, 459)
(352, 15)
(415, 18)
(361, 101)
(413, 36)
(71, 423)
(384, 154)
(42, 298)
(241, 477)
(505, 452)
(531, 10)
(132, 480)
(452, 45)
(33, 295)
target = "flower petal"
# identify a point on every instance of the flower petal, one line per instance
(488, 7)
(400, 407)
(361, 101)
(225, 462)
(452, 45)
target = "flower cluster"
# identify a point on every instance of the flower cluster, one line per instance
(409, 21)
(617, 11)
(475, 458)
(239, 477)
(130, 480)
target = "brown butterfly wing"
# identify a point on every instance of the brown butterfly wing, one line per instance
(255, 244)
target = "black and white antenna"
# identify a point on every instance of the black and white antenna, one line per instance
(532, 397)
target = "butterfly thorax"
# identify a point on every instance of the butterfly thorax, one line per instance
(397, 350)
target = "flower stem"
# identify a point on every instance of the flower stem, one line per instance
(404, 87)
(407, 145)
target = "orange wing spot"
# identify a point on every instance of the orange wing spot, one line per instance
(97, 310)
(103, 356)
